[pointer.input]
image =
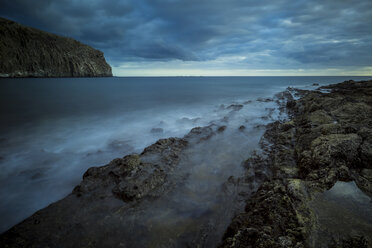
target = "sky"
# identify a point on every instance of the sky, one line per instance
(212, 37)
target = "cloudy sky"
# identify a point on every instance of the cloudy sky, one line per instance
(212, 37)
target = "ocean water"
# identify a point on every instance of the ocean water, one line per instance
(53, 130)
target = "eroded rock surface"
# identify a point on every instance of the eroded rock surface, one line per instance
(327, 140)
(96, 206)
(177, 192)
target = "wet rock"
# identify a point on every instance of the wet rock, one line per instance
(221, 129)
(327, 139)
(188, 120)
(350, 242)
(319, 117)
(367, 173)
(104, 195)
(285, 241)
(97, 207)
(264, 99)
(271, 212)
(328, 149)
(284, 96)
(287, 126)
(291, 104)
(366, 154)
(200, 133)
(259, 126)
(235, 107)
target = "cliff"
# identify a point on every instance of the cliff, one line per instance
(29, 52)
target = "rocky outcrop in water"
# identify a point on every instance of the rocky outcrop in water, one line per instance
(101, 209)
(94, 210)
(29, 52)
(328, 139)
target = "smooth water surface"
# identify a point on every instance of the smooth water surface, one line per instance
(342, 211)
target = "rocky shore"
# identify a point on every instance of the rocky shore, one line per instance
(29, 52)
(328, 139)
(290, 188)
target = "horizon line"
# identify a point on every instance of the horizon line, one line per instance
(252, 76)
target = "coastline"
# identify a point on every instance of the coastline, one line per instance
(327, 140)
(286, 178)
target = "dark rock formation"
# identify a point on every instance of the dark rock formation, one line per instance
(95, 207)
(235, 107)
(28, 52)
(94, 214)
(133, 177)
(328, 139)
(221, 129)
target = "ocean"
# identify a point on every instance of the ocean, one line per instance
(53, 129)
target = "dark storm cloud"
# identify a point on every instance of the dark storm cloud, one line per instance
(277, 34)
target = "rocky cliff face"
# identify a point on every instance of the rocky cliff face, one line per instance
(28, 52)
